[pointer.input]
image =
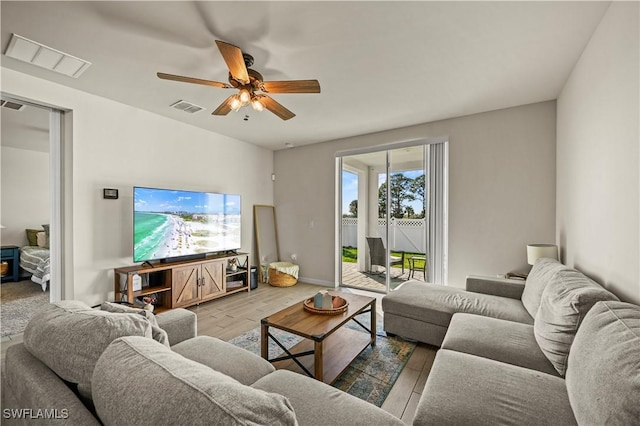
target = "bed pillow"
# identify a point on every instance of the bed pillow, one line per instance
(46, 231)
(32, 236)
(41, 239)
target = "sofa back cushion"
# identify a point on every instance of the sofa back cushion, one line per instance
(603, 375)
(156, 332)
(541, 274)
(69, 337)
(140, 381)
(563, 306)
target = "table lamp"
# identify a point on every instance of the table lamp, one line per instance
(536, 251)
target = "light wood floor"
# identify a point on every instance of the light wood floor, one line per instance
(231, 316)
(236, 314)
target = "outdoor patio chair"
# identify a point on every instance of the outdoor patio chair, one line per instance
(377, 253)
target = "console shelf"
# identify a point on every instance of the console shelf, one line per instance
(183, 283)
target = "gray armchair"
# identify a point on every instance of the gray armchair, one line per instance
(377, 253)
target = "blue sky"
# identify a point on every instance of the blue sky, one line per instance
(350, 188)
(163, 200)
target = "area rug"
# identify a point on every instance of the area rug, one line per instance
(369, 377)
(19, 301)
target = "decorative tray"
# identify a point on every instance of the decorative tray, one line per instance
(340, 305)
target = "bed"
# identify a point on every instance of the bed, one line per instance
(34, 258)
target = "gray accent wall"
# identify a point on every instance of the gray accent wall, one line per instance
(598, 188)
(501, 191)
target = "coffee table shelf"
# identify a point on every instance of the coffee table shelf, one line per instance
(339, 350)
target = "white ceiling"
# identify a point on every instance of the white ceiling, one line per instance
(381, 65)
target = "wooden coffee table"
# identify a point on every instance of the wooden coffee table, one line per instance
(332, 345)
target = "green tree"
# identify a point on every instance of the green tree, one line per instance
(353, 208)
(418, 189)
(400, 191)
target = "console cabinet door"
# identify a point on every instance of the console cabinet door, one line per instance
(185, 287)
(212, 282)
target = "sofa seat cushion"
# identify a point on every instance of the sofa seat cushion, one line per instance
(464, 389)
(505, 341)
(564, 304)
(226, 358)
(163, 387)
(436, 304)
(69, 337)
(317, 403)
(603, 374)
(541, 274)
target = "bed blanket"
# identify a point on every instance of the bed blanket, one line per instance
(36, 261)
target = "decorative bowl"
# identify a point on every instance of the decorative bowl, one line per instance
(340, 305)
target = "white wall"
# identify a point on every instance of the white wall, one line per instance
(117, 146)
(502, 191)
(25, 193)
(598, 188)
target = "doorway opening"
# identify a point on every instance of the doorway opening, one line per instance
(30, 212)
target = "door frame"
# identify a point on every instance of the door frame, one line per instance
(338, 191)
(58, 135)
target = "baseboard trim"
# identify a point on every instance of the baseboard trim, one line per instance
(317, 282)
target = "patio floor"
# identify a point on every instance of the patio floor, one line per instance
(351, 277)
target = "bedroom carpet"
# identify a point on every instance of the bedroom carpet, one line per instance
(19, 301)
(369, 377)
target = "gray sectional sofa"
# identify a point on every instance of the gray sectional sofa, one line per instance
(556, 350)
(116, 366)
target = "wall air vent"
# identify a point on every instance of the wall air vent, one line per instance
(26, 50)
(187, 107)
(12, 105)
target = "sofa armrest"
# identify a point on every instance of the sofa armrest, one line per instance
(495, 286)
(180, 324)
(30, 385)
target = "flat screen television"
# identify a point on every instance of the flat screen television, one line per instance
(179, 224)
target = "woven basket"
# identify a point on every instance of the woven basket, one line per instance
(280, 279)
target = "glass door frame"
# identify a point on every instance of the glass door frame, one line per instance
(387, 148)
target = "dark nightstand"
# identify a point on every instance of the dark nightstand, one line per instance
(10, 254)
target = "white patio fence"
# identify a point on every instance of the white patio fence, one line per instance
(405, 234)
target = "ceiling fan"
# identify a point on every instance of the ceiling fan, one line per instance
(252, 87)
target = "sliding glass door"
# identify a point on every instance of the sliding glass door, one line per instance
(363, 259)
(383, 217)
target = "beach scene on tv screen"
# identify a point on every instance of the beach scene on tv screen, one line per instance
(181, 223)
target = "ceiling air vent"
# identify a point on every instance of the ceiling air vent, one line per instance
(26, 50)
(187, 107)
(12, 105)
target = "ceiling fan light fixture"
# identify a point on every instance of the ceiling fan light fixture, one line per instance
(235, 103)
(245, 97)
(256, 104)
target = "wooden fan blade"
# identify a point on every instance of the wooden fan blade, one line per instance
(235, 62)
(224, 108)
(193, 80)
(292, 86)
(276, 108)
